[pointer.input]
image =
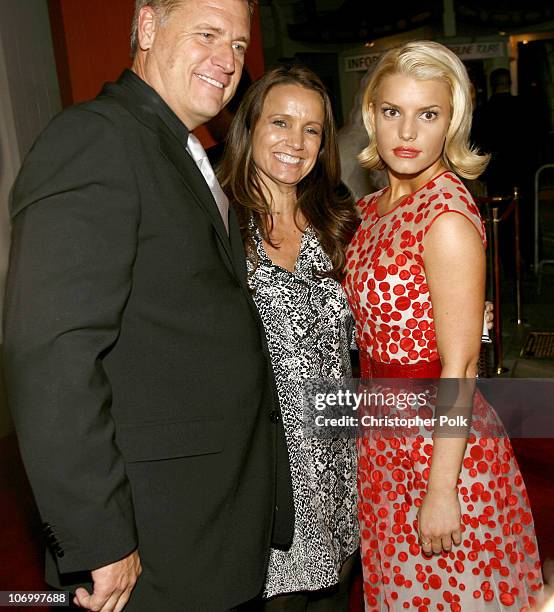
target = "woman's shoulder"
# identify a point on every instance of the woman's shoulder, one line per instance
(447, 193)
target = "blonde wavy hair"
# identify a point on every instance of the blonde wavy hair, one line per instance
(427, 60)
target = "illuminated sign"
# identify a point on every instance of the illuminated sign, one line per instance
(465, 51)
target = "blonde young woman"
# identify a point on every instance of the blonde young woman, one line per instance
(445, 524)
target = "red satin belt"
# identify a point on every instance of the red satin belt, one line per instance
(376, 369)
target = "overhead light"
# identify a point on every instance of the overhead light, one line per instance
(525, 41)
(369, 44)
(502, 33)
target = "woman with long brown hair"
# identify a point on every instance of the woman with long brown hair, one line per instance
(281, 172)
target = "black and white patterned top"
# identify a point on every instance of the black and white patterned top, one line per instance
(308, 325)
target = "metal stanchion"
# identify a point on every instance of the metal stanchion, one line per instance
(519, 310)
(498, 351)
(538, 264)
(493, 207)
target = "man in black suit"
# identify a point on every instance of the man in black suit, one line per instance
(137, 369)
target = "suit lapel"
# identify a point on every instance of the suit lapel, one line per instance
(239, 259)
(140, 106)
(194, 181)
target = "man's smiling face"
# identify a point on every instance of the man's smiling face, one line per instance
(194, 56)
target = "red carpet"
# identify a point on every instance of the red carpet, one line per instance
(21, 552)
(536, 460)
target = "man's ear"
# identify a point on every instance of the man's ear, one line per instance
(147, 26)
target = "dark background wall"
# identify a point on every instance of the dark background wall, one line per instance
(30, 97)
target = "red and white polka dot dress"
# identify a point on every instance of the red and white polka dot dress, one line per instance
(497, 566)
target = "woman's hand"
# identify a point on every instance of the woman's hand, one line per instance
(439, 521)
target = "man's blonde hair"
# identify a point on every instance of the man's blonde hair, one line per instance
(427, 60)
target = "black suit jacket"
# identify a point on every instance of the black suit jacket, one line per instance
(137, 369)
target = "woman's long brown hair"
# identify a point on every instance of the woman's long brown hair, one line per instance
(325, 204)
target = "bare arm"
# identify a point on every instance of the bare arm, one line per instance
(455, 267)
